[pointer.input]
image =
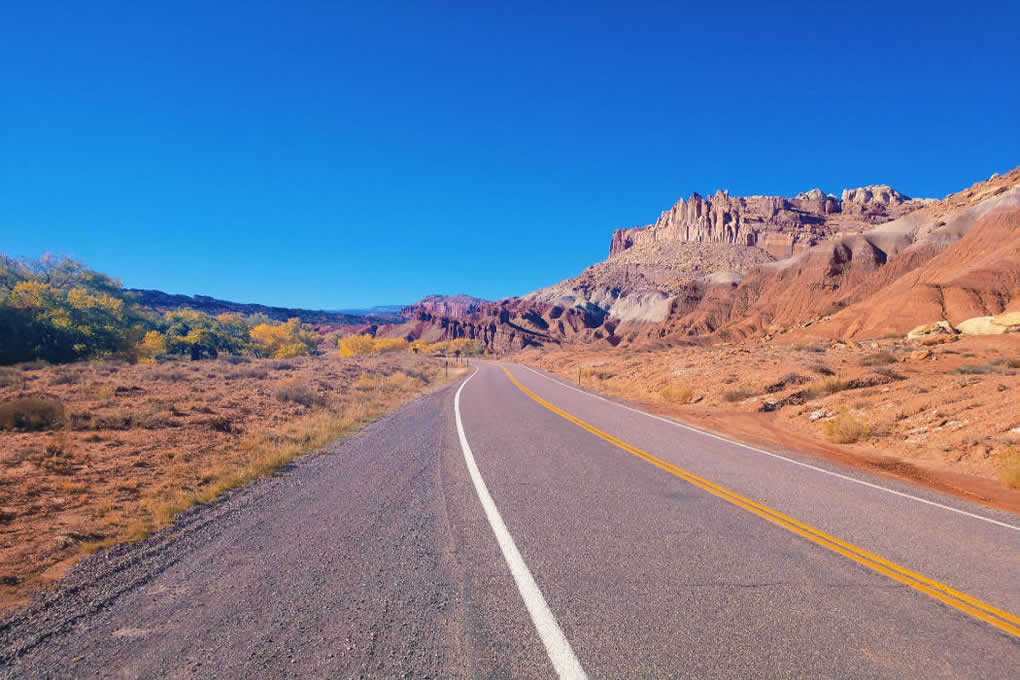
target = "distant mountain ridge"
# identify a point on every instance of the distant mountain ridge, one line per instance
(163, 302)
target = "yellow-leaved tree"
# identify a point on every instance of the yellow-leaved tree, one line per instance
(151, 346)
(284, 341)
(356, 345)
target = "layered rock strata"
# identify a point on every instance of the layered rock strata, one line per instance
(781, 226)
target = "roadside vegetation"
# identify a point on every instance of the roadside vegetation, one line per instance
(98, 452)
(890, 403)
(114, 417)
(60, 311)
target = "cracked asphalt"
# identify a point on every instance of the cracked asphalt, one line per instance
(376, 560)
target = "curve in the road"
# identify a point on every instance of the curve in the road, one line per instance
(1002, 620)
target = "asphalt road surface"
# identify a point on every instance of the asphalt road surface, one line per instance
(513, 526)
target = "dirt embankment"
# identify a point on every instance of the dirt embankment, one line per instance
(99, 452)
(943, 416)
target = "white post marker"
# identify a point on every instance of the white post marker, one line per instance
(556, 644)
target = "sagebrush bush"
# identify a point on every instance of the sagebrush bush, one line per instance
(824, 387)
(736, 395)
(256, 372)
(879, 359)
(298, 393)
(822, 369)
(32, 413)
(107, 421)
(974, 369)
(10, 376)
(33, 365)
(847, 428)
(66, 378)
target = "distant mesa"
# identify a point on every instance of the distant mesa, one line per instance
(445, 305)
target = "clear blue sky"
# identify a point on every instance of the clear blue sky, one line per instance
(333, 154)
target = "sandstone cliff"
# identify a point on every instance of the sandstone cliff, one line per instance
(444, 305)
(704, 272)
(780, 226)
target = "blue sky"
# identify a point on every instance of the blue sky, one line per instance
(333, 154)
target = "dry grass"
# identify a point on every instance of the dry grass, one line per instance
(826, 386)
(10, 376)
(32, 414)
(847, 428)
(733, 396)
(879, 359)
(164, 438)
(294, 390)
(1009, 467)
(676, 394)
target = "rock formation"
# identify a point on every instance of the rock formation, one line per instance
(707, 271)
(444, 305)
(780, 226)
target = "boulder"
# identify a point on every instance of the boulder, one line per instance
(937, 328)
(1008, 322)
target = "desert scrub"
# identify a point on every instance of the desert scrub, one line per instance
(597, 374)
(10, 376)
(299, 393)
(847, 428)
(829, 385)
(676, 394)
(733, 396)
(822, 369)
(32, 413)
(879, 359)
(1009, 467)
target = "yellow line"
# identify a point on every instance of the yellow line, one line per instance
(981, 610)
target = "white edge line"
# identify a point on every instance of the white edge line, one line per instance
(776, 455)
(556, 644)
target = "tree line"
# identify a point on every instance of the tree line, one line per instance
(59, 310)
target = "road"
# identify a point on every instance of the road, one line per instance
(514, 526)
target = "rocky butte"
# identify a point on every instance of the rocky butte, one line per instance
(780, 226)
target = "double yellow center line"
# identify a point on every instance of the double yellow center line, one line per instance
(981, 610)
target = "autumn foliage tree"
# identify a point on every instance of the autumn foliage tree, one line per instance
(283, 341)
(60, 310)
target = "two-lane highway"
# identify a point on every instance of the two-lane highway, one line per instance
(514, 526)
(649, 573)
